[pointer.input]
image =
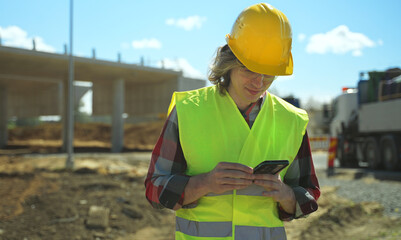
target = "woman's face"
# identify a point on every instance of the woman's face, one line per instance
(246, 86)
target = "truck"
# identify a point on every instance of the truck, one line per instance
(366, 121)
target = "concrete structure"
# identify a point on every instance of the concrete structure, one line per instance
(34, 83)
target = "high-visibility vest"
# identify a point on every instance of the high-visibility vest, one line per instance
(212, 130)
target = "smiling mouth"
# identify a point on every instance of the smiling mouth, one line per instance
(253, 92)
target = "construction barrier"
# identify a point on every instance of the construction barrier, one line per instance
(319, 143)
(331, 155)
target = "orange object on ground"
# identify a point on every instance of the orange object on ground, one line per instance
(332, 155)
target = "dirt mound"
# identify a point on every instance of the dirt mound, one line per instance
(40, 200)
(339, 218)
(63, 211)
(47, 138)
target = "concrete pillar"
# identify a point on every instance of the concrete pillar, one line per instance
(180, 83)
(66, 137)
(3, 116)
(63, 114)
(117, 121)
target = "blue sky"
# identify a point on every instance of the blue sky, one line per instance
(332, 40)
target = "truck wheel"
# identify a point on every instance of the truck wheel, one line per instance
(372, 153)
(389, 152)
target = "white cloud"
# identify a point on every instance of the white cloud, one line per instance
(301, 37)
(181, 64)
(188, 23)
(125, 45)
(340, 40)
(147, 43)
(13, 36)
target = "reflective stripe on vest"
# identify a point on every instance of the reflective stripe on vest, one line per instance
(203, 229)
(192, 230)
(212, 130)
(259, 233)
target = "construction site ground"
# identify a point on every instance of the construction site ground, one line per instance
(103, 197)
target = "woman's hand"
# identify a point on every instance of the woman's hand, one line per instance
(224, 177)
(278, 190)
(229, 176)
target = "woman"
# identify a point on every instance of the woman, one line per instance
(202, 165)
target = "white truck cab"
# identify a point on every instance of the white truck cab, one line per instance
(344, 106)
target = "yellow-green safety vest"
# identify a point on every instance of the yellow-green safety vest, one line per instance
(212, 130)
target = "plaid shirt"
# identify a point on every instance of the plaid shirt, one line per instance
(166, 179)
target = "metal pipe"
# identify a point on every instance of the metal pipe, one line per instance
(70, 101)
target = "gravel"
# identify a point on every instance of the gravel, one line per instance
(388, 193)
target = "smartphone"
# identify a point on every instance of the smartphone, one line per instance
(270, 167)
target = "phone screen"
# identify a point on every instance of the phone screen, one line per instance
(270, 167)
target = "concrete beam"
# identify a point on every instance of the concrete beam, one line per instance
(3, 116)
(15, 77)
(117, 120)
(185, 84)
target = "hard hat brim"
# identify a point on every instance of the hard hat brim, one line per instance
(263, 68)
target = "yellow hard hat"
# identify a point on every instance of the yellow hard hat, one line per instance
(261, 39)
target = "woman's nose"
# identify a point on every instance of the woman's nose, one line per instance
(258, 81)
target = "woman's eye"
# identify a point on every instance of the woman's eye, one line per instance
(246, 70)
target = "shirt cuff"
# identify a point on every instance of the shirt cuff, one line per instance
(173, 191)
(283, 215)
(305, 205)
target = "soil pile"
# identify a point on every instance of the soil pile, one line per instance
(41, 200)
(339, 218)
(47, 138)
